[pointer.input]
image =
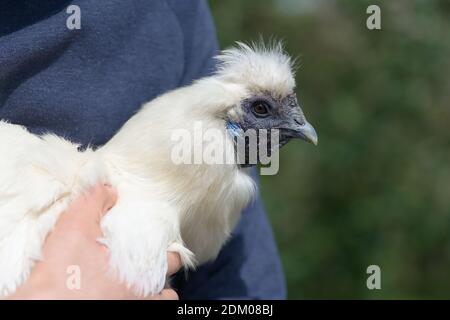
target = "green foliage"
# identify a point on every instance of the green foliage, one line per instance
(377, 188)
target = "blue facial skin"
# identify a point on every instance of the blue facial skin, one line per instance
(283, 114)
(237, 133)
(233, 128)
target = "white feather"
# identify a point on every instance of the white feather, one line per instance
(190, 209)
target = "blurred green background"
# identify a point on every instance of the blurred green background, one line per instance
(377, 188)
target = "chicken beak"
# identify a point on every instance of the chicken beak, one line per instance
(299, 127)
(306, 132)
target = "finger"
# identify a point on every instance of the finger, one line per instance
(166, 294)
(104, 196)
(85, 212)
(174, 263)
(109, 199)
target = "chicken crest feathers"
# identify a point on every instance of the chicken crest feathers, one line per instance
(261, 67)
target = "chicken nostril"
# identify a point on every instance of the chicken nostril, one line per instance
(299, 122)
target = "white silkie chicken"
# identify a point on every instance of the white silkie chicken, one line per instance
(162, 206)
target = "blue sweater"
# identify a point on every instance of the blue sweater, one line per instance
(84, 84)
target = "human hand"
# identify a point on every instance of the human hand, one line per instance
(72, 248)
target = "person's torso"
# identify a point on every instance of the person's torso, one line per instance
(84, 84)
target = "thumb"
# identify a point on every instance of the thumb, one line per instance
(174, 263)
(109, 198)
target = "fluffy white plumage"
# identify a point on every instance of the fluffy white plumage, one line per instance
(190, 209)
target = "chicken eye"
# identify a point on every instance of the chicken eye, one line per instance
(260, 108)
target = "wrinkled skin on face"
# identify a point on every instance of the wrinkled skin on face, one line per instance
(267, 116)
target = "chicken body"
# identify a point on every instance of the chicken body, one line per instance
(161, 206)
(190, 208)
